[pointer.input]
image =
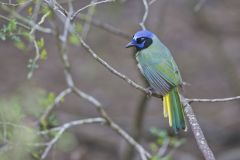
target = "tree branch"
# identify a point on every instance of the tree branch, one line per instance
(197, 131)
(146, 7)
(63, 128)
(213, 100)
(57, 100)
(105, 26)
(74, 15)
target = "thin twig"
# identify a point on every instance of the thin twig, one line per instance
(105, 26)
(199, 5)
(33, 62)
(18, 23)
(89, 5)
(138, 122)
(163, 149)
(15, 4)
(151, 2)
(42, 20)
(144, 154)
(87, 97)
(57, 100)
(111, 69)
(146, 7)
(87, 24)
(63, 128)
(190, 100)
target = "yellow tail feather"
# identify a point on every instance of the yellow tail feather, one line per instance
(169, 109)
(165, 109)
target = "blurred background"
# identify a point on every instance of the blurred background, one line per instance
(204, 38)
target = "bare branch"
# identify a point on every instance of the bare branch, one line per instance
(15, 4)
(33, 62)
(73, 123)
(91, 4)
(144, 154)
(197, 131)
(163, 149)
(142, 23)
(111, 69)
(42, 20)
(138, 121)
(95, 22)
(87, 24)
(199, 5)
(63, 128)
(213, 100)
(151, 2)
(87, 97)
(57, 100)
(105, 26)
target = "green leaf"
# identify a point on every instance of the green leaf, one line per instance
(153, 147)
(26, 34)
(43, 54)
(159, 133)
(40, 43)
(78, 27)
(74, 39)
(12, 25)
(45, 10)
(20, 45)
(2, 36)
(51, 97)
(30, 10)
(155, 158)
(15, 38)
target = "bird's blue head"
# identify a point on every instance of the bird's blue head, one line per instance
(141, 40)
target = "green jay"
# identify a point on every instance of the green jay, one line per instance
(160, 70)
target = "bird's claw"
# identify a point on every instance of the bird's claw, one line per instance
(150, 91)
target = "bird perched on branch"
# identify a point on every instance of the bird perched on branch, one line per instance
(159, 68)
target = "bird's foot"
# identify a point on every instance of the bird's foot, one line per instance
(150, 91)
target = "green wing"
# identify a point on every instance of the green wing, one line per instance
(160, 70)
(168, 69)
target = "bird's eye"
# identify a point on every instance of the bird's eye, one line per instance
(140, 40)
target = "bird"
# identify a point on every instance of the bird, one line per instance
(157, 65)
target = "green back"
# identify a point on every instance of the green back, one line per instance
(159, 60)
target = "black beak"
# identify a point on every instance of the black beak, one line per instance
(130, 44)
